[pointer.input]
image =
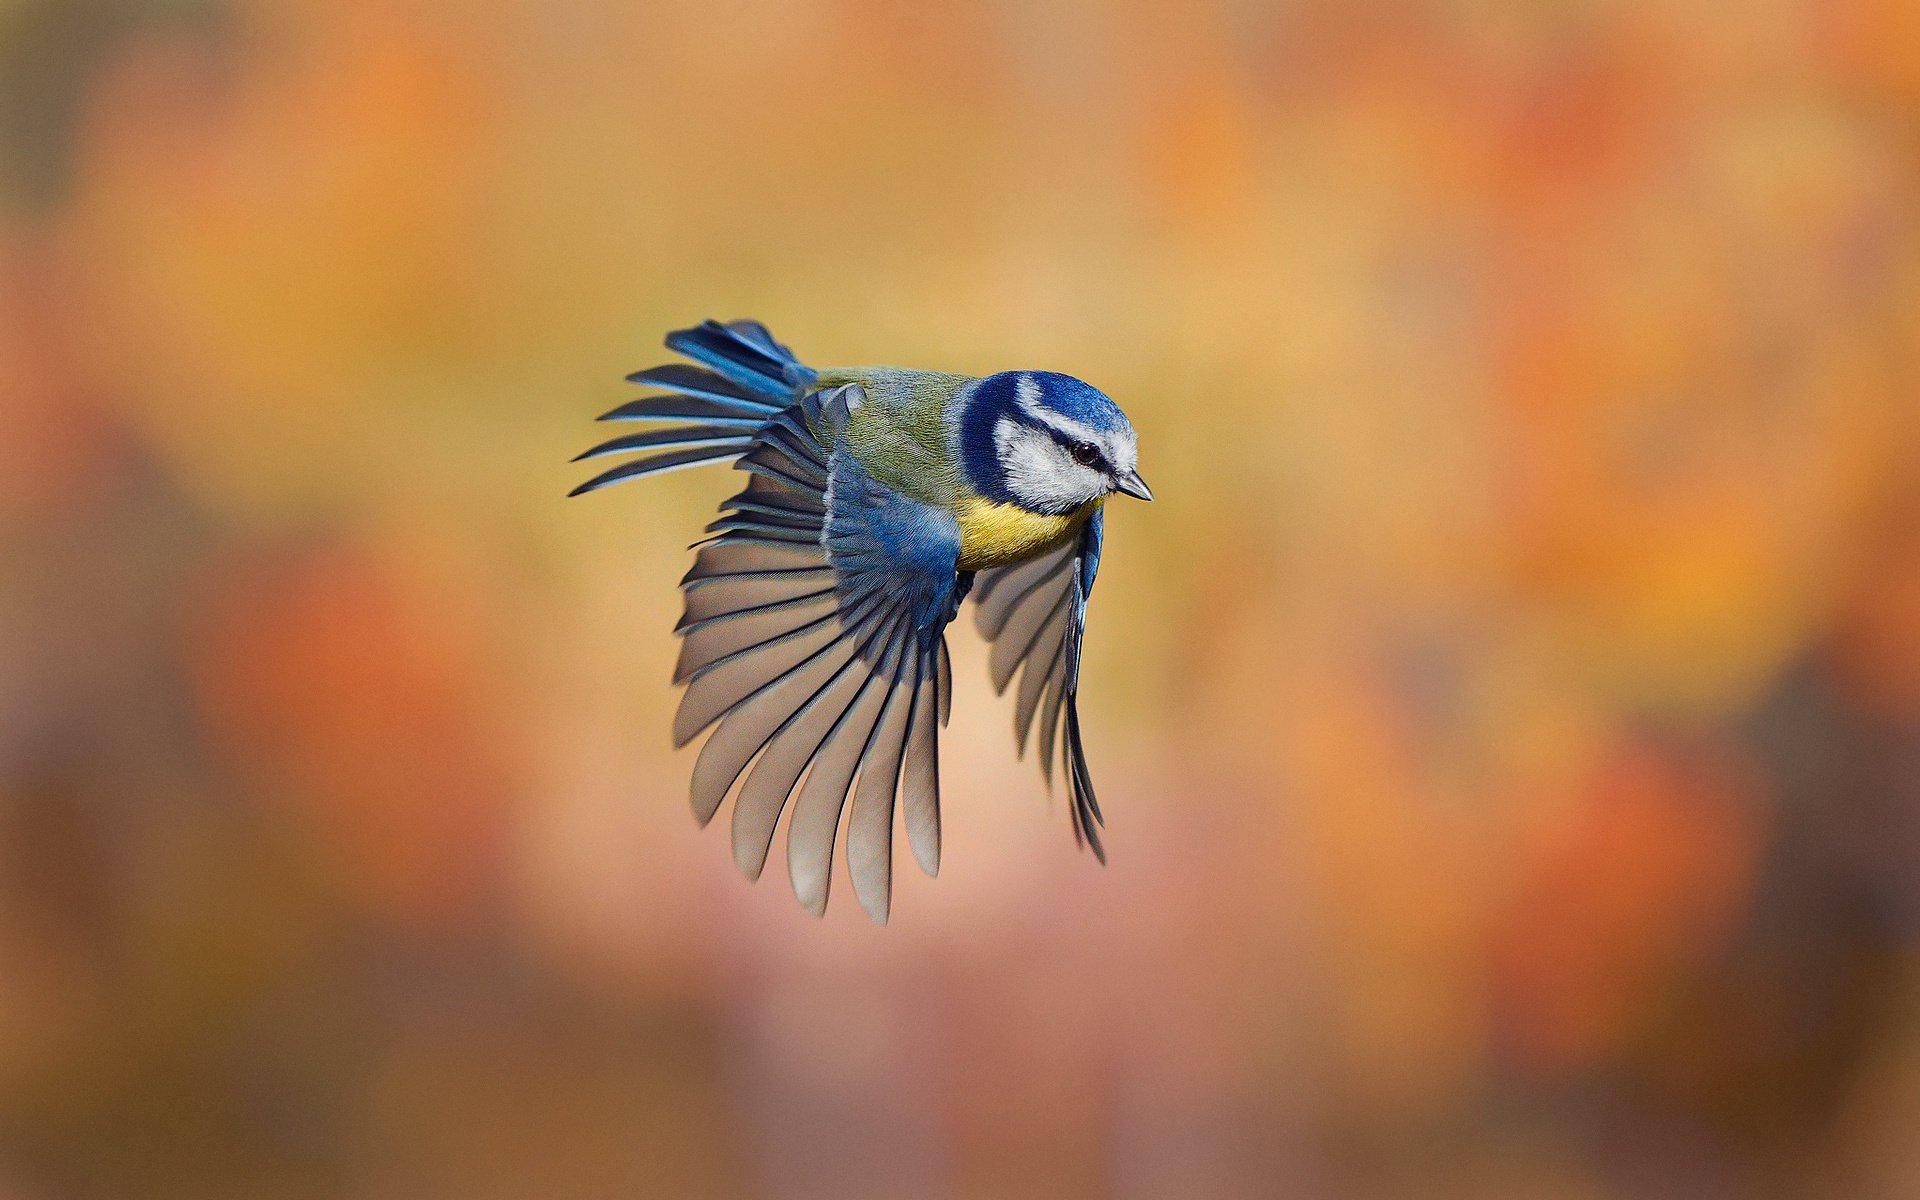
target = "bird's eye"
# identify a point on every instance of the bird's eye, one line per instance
(1085, 453)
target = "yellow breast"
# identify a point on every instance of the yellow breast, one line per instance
(994, 535)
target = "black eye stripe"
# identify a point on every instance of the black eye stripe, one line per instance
(1083, 452)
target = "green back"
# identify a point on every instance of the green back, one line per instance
(902, 434)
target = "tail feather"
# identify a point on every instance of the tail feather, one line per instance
(685, 438)
(692, 408)
(744, 381)
(657, 464)
(746, 354)
(699, 382)
(759, 334)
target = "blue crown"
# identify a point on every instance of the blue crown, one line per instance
(1075, 400)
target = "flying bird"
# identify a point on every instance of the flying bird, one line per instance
(813, 639)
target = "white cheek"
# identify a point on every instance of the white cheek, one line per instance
(1041, 475)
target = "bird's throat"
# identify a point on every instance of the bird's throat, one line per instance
(996, 535)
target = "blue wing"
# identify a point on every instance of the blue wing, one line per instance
(1035, 613)
(813, 645)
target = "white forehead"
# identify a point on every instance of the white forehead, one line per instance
(1120, 446)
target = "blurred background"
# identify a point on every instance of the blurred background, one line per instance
(1508, 718)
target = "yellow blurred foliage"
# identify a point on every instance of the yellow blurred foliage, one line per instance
(1508, 717)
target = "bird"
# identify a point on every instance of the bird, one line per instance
(877, 501)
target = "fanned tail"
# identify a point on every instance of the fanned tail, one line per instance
(744, 381)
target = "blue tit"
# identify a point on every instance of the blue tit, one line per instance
(813, 640)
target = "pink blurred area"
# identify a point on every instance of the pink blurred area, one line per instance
(1507, 718)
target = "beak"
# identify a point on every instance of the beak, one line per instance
(1133, 485)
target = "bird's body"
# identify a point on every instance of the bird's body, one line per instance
(905, 436)
(813, 639)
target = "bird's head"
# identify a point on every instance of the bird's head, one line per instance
(1047, 442)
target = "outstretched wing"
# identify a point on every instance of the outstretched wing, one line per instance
(1034, 614)
(812, 645)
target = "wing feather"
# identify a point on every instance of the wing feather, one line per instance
(823, 797)
(920, 777)
(1050, 714)
(1034, 614)
(742, 556)
(1004, 590)
(757, 809)
(944, 682)
(749, 725)
(719, 637)
(870, 825)
(1023, 629)
(769, 515)
(714, 689)
(1041, 661)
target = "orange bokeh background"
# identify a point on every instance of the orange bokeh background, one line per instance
(1508, 716)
